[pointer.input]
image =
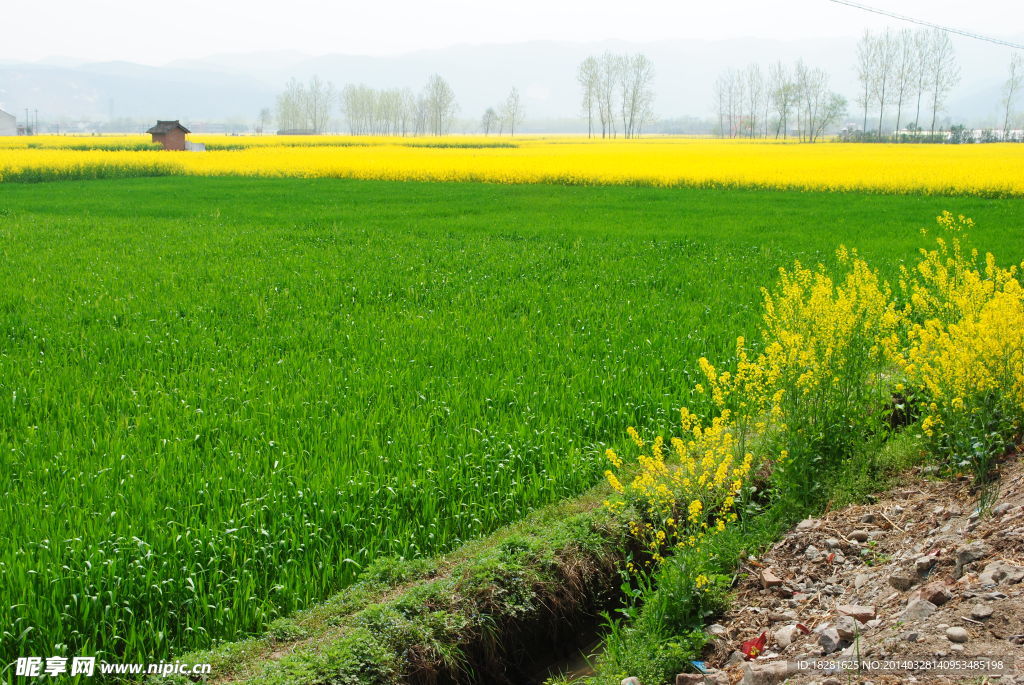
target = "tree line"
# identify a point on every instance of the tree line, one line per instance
(399, 111)
(307, 108)
(508, 115)
(752, 104)
(618, 93)
(1011, 91)
(904, 73)
(914, 72)
(905, 70)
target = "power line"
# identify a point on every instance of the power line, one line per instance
(921, 22)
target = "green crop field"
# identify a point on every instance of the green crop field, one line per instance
(220, 398)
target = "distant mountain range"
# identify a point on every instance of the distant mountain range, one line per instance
(234, 87)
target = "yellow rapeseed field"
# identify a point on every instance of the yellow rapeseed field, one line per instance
(989, 170)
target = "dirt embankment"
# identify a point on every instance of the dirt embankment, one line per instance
(924, 585)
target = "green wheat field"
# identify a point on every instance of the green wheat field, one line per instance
(220, 398)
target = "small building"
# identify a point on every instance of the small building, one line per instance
(170, 134)
(8, 124)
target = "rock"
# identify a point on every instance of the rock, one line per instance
(709, 677)
(859, 535)
(897, 509)
(901, 581)
(718, 630)
(924, 564)
(860, 580)
(779, 616)
(828, 638)
(861, 613)
(965, 554)
(847, 627)
(918, 609)
(769, 579)
(935, 592)
(980, 612)
(784, 636)
(630, 681)
(767, 674)
(812, 553)
(998, 572)
(867, 518)
(1001, 509)
(957, 634)
(910, 636)
(832, 543)
(808, 524)
(736, 658)
(874, 623)
(831, 681)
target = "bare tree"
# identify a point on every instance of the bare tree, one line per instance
(290, 112)
(264, 121)
(866, 58)
(389, 111)
(420, 115)
(512, 111)
(636, 73)
(489, 121)
(831, 109)
(922, 47)
(943, 71)
(439, 101)
(818, 107)
(589, 75)
(359, 105)
(904, 71)
(610, 67)
(723, 89)
(754, 90)
(730, 89)
(306, 106)
(782, 94)
(407, 114)
(320, 99)
(886, 49)
(1011, 90)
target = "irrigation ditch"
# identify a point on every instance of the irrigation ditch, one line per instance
(516, 607)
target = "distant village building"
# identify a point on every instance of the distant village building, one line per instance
(8, 124)
(170, 134)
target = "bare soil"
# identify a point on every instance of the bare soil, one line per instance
(923, 585)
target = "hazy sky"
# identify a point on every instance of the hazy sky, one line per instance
(156, 32)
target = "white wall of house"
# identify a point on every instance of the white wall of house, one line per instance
(8, 124)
